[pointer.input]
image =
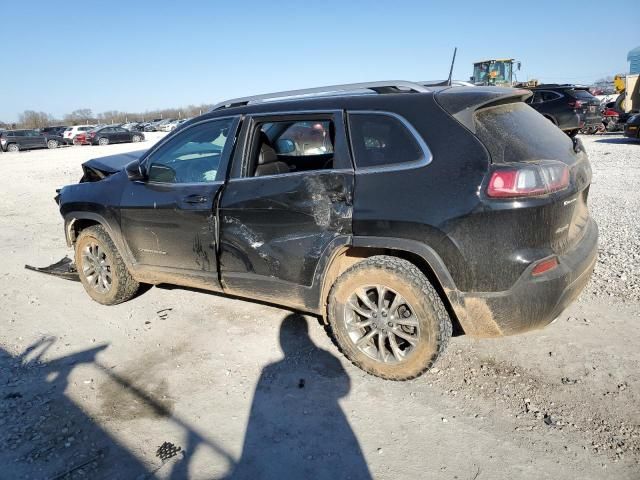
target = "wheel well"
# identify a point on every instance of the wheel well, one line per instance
(80, 224)
(352, 255)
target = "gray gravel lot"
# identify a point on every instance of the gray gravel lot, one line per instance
(88, 391)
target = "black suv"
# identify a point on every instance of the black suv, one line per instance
(58, 131)
(394, 211)
(570, 107)
(16, 140)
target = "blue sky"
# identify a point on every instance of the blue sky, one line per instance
(142, 55)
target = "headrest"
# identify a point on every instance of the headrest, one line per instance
(267, 152)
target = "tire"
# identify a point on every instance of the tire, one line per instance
(75, 141)
(52, 144)
(573, 133)
(114, 284)
(135, 138)
(103, 141)
(414, 332)
(13, 147)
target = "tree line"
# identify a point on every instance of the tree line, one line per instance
(85, 116)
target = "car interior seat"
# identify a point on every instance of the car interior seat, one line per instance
(268, 162)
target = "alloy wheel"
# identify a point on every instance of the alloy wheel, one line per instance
(381, 324)
(96, 268)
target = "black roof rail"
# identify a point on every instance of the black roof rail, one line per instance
(382, 87)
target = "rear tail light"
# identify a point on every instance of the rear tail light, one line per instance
(544, 266)
(92, 134)
(575, 104)
(527, 180)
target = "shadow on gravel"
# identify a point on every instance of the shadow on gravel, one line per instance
(618, 140)
(43, 433)
(296, 427)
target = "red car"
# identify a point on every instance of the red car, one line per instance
(81, 139)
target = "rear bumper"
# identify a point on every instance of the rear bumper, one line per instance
(591, 118)
(532, 302)
(632, 131)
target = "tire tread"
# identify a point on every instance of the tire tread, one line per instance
(418, 280)
(127, 285)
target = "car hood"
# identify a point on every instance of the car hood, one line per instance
(113, 163)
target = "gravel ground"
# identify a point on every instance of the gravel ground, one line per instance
(616, 207)
(88, 391)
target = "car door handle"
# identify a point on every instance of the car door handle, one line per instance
(193, 199)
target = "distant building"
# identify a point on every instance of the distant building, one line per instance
(634, 60)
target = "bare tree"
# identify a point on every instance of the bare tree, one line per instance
(79, 117)
(33, 119)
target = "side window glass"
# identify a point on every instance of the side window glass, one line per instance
(381, 140)
(292, 146)
(192, 156)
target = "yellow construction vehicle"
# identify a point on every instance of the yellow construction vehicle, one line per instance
(499, 72)
(628, 86)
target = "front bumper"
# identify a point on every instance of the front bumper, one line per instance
(533, 302)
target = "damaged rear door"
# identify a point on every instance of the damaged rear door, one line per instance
(286, 207)
(168, 219)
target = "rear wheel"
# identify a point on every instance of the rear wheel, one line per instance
(387, 318)
(103, 141)
(13, 147)
(102, 271)
(52, 144)
(136, 138)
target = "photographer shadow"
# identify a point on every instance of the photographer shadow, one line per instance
(296, 427)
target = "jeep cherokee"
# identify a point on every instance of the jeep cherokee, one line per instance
(394, 211)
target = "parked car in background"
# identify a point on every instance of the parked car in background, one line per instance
(171, 126)
(632, 127)
(107, 135)
(152, 126)
(353, 224)
(132, 126)
(70, 133)
(570, 107)
(16, 140)
(59, 130)
(161, 126)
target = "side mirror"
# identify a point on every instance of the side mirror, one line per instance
(285, 145)
(135, 171)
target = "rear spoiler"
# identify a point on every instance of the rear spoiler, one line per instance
(462, 103)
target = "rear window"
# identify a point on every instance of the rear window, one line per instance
(581, 94)
(513, 133)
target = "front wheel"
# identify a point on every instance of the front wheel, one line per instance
(387, 318)
(136, 138)
(13, 147)
(103, 141)
(102, 271)
(52, 144)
